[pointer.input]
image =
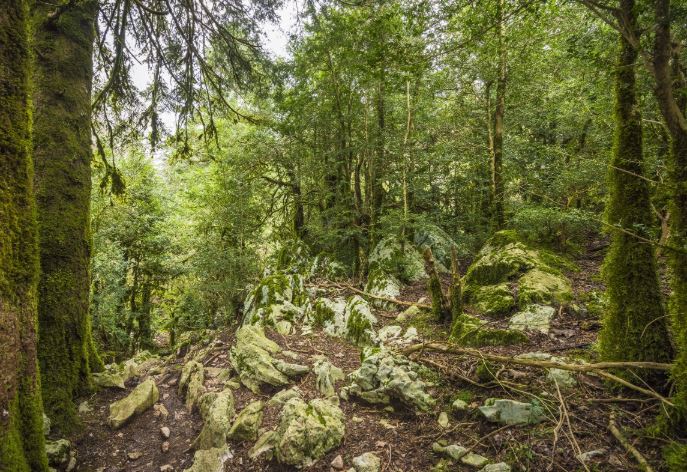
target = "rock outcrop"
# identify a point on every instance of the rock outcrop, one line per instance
(140, 399)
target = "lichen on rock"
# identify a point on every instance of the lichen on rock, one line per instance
(468, 330)
(217, 420)
(140, 399)
(247, 423)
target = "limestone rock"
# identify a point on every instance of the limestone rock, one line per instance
(359, 321)
(307, 431)
(191, 383)
(283, 289)
(443, 419)
(500, 467)
(564, 378)
(507, 411)
(165, 432)
(217, 421)
(433, 237)
(140, 399)
(210, 460)
(474, 460)
(382, 284)
(247, 423)
(58, 452)
(468, 330)
(283, 396)
(252, 357)
(402, 261)
(327, 375)
(46, 425)
(329, 314)
(264, 445)
(337, 463)
(459, 405)
(542, 286)
(533, 318)
(383, 376)
(367, 462)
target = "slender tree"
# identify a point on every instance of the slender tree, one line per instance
(22, 446)
(635, 327)
(497, 194)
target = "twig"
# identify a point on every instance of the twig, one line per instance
(378, 297)
(632, 386)
(613, 427)
(564, 412)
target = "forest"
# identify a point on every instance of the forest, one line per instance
(343, 235)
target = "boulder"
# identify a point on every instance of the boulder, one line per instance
(274, 289)
(564, 378)
(382, 284)
(283, 396)
(329, 314)
(403, 261)
(511, 412)
(533, 318)
(543, 286)
(383, 376)
(140, 399)
(58, 452)
(500, 467)
(252, 358)
(307, 431)
(217, 421)
(367, 462)
(359, 321)
(247, 423)
(191, 383)
(210, 460)
(492, 300)
(468, 330)
(108, 379)
(433, 237)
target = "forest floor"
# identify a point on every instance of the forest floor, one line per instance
(578, 418)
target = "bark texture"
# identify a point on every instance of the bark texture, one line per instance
(22, 446)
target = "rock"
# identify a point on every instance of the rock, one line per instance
(166, 468)
(492, 300)
(469, 330)
(587, 456)
(283, 396)
(329, 314)
(191, 383)
(307, 431)
(383, 376)
(500, 467)
(108, 379)
(217, 421)
(252, 357)
(165, 432)
(58, 452)
(368, 462)
(359, 321)
(71, 465)
(135, 455)
(327, 376)
(433, 237)
(160, 410)
(337, 463)
(140, 399)
(210, 460)
(533, 318)
(459, 405)
(165, 446)
(287, 290)
(264, 445)
(46, 425)
(474, 460)
(443, 420)
(507, 411)
(543, 286)
(402, 261)
(452, 451)
(410, 312)
(382, 284)
(247, 423)
(84, 408)
(564, 378)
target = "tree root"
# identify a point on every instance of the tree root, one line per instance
(613, 427)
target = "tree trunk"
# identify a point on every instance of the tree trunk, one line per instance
(63, 43)
(634, 327)
(497, 155)
(22, 446)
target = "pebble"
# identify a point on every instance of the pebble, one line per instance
(443, 419)
(165, 446)
(165, 432)
(166, 468)
(134, 455)
(337, 463)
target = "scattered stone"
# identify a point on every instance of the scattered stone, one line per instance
(108, 379)
(135, 455)
(474, 460)
(165, 446)
(72, 462)
(166, 468)
(140, 399)
(337, 463)
(165, 432)
(500, 467)
(210, 460)
(368, 462)
(459, 405)
(533, 318)
(191, 383)
(283, 396)
(587, 456)
(443, 420)
(247, 423)
(383, 376)
(564, 378)
(511, 412)
(307, 431)
(264, 445)
(217, 421)
(84, 408)
(409, 313)
(160, 410)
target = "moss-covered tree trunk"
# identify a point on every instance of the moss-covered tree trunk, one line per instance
(22, 446)
(634, 327)
(63, 46)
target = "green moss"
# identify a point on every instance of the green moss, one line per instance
(539, 286)
(491, 300)
(470, 331)
(358, 327)
(485, 371)
(634, 326)
(675, 455)
(322, 313)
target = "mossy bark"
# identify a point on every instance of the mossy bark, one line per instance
(440, 303)
(22, 446)
(635, 326)
(63, 47)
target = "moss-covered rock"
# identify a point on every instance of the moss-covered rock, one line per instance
(327, 376)
(217, 421)
(382, 284)
(533, 318)
(326, 312)
(252, 357)
(359, 321)
(506, 411)
(384, 376)
(307, 431)
(403, 261)
(491, 300)
(439, 242)
(247, 423)
(140, 399)
(274, 289)
(468, 330)
(210, 460)
(541, 286)
(191, 383)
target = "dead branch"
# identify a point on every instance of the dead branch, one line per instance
(613, 427)
(385, 299)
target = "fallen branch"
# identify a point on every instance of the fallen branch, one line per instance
(440, 347)
(613, 427)
(378, 297)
